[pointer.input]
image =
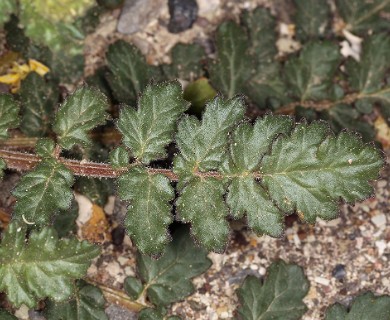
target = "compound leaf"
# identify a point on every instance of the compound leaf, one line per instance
(149, 213)
(44, 267)
(202, 144)
(83, 110)
(9, 110)
(38, 99)
(232, 68)
(186, 62)
(129, 72)
(312, 18)
(361, 15)
(148, 130)
(201, 203)
(168, 279)
(42, 191)
(310, 75)
(366, 306)
(87, 304)
(310, 170)
(279, 297)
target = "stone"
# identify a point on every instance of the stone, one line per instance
(137, 14)
(183, 15)
(115, 312)
(379, 220)
(339, 272)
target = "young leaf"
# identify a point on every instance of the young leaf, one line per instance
(148, 130)
(168, 279)
(83, 110)
(149, 213)
(9, 110)
(42, 191)
(186, 62)
(129, 71)
(309, 171)
(312, 18)
(232, 67)
(43, 267)
(278, 297)
(38, 99)
(133, 287)
(45, 147)
(365, 306)
(360, 15)
(87, 304)
(202, 144)
(201, 204)
(310, 75)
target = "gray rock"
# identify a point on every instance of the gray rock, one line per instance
(183, 14)
(137, 14)
(115, 312)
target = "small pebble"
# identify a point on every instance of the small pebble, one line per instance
(118, 235)
(183, 14)
(339, 272)
(322, 281)
(379, 220)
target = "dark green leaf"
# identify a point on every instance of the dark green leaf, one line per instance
(4, 315)
(148, 130)
(87, 304)
(43, 267)
(82, 111)
(202, 144)
(310, 171)
(345, 116)
(367, 76)
(279, 297)
(312, 18)
(42, 191)
(45, 147)
(38, 99)
(310, 76)
(133, 287)
(149, 213)
(119, 157)
(245, 195)
(261, 27)
(232, 67)
(151, 314)
(9, 110)
(168, 279)
(65, 221)
(201, 203)
(364, 307)
(186, 62)
(362, 15)
(95, 189)
(129, 71)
